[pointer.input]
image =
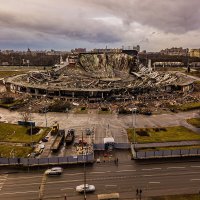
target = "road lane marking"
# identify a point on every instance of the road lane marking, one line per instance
(175, 167)
(195, 166)
(127, 170)
(157, 168)
(2, 181)
(151, 169)
(74, 174)
(195, 179)
(154, 182)
(67, 188)
(97, 172)
(110, 185)
(8, 193)
(147, 175)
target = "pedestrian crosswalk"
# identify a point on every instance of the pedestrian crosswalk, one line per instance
(3, 178)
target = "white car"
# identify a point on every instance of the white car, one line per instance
(54, 171)
(88, 188)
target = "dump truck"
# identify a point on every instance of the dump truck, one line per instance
(58, 140)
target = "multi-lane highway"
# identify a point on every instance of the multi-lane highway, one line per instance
(153, 177)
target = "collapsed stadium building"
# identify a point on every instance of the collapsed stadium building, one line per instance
(98, 76)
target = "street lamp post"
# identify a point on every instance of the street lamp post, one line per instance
(45, 109)
(31, 129)
(84, 159)
(45, 116)
(134, 110)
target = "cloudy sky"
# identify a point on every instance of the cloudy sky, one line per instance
(67, 24)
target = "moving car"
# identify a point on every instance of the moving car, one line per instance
(88, 188)
(54, 171)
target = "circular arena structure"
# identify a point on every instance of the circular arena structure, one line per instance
(96, 76)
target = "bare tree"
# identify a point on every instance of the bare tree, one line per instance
(26, 115)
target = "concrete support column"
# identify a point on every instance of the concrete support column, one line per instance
(28, 90)
(36, 91)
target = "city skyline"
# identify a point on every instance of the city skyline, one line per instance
(67, 24)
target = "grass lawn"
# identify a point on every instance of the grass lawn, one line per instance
(81, 111)
(16, 151)
(194, 73)
(104, 112)
(17, 133)
(168, 134)
(177, 197)
(187, 106)
(5, 74)
(8, 105)
(194, 121)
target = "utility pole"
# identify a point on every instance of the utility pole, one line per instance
(134, 110)
(84, 178)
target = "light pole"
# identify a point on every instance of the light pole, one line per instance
(134, 110)
(45, 114)
(84, 156)
(31, 129)
(45, 109)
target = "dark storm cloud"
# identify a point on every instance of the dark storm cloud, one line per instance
(149, 22)
(176, 16)
(89, 30)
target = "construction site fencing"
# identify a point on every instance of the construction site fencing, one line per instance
(166, 153)
(47, 161)
(115, 145)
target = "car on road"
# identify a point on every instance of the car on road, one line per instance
(88, 188)
(54, 171)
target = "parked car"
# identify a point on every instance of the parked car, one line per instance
(54, 171)
(88, 131)
(42, 146)
(88, 188)
(45, 139)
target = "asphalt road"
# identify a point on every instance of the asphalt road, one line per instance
(153, 177)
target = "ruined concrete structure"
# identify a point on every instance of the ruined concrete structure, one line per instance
(97, 76)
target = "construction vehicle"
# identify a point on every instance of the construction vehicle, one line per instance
(69, 138)
(54, 129)
(58, 140)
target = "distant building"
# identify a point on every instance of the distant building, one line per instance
(195, 53)
(79, 50)
(174, 51)
(114, 50)
(137, 48)
(5, 63)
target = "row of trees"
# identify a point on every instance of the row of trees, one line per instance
(17, 59)
(167, 58)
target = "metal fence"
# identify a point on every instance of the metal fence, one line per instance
(166, 153)
(101, 146)
(122, 145)
(47, 161)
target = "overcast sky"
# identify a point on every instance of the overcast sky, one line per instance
(67, 24)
